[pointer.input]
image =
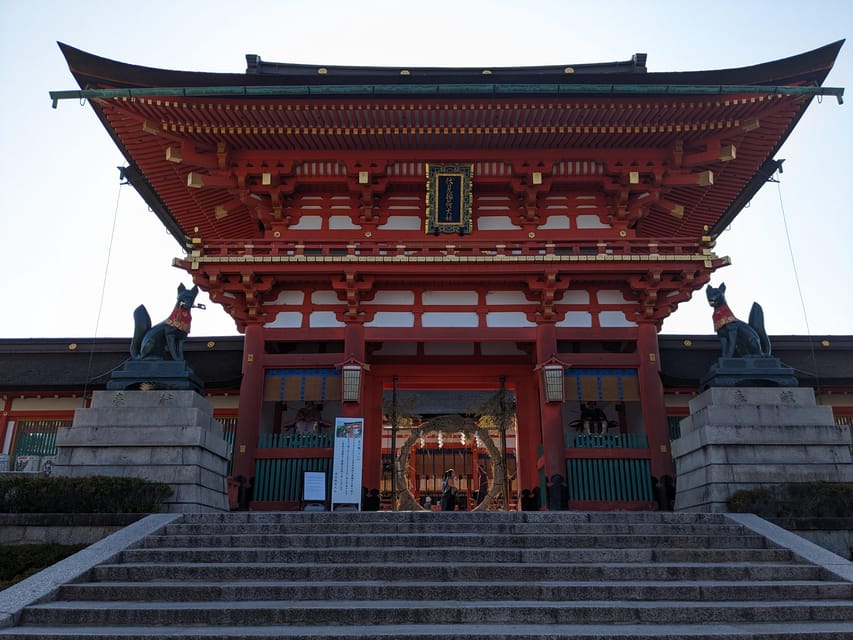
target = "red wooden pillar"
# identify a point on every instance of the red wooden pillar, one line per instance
(251, 403)
(4, 422)
(551, 412)
(528, 434)
(651, 399)
(371, 403)
(368, 407)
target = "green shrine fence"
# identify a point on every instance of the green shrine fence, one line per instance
(35, 444)
(38, 437)
(282, 460)
(280, 480)
(229, 431)
(609, 468)
(673, 424)
(848, 421)
(610, 480)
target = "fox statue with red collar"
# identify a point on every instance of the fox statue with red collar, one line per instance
(152, 343)
(738, 338)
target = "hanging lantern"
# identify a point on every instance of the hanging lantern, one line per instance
(553, 375)
(351, 374)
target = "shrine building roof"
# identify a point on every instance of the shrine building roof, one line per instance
(685, 126)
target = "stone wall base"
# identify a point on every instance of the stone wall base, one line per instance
(748, 437)
(162, 436)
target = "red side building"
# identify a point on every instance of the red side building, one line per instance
(402, 244)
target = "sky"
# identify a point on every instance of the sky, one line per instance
(80, 251)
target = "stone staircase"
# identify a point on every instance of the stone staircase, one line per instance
(384, 575)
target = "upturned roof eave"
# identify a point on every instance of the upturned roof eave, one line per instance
(810, 68)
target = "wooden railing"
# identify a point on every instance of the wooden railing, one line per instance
(608, 441)
(331, 250)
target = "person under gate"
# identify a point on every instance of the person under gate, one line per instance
(482, 483)
(448, 491)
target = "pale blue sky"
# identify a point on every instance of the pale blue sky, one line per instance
(60, 190)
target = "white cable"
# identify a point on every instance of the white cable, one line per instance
(103, 291)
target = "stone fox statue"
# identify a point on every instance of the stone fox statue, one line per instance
(152, 343)
(738, 338)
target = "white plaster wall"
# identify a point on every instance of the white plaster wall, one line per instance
(614, 319)
(309, 223)
(557, 222)
(402, 223)
(392, 297)
(449, 297)
(495, 223)
(342, 222)
(223, 402)
(610, 296)
(290, 298)
(321, 319)
(46, 404)
(392, 319)
(325, 297)
(447, 319)
(576, 319)
(585, 221)
(286, 320)
(494, 298)
(574, 297)
(508, 319)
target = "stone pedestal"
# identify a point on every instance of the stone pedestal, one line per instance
(162, 436)
(743, 438)
(749, 371)
(155, 374)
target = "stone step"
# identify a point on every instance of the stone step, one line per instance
(450, 554)
(313, 612)
(662, 590)
(496, 572)
(251, 537)
(446, 576)
(811, 630)
(495, 518)
(432, 526)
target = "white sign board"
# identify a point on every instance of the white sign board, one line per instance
(346, 470)
(314, 486)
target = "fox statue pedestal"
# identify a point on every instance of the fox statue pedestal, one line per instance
(749, 371)
(746, 437)
(155, 374)
(163, 436)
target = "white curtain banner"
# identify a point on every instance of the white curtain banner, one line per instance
(346, 470)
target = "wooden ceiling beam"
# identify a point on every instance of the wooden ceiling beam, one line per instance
(714, 152)
(185, 153)
(685, 178)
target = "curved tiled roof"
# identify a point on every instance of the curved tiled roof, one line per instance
(553, 110)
